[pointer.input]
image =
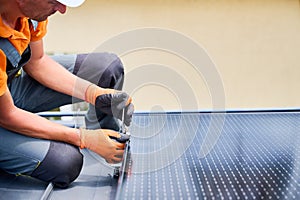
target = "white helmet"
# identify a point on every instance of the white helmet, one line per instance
(71, 3)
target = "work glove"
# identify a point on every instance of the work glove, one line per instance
(99, 142)
(111, 102)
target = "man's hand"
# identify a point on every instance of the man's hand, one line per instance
(99, 142)
(111, 102)
(114, 103)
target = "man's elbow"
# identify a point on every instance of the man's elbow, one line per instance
(7, 119)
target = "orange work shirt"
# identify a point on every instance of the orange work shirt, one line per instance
(20, 39)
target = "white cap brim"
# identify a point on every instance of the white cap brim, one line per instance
(71, 3)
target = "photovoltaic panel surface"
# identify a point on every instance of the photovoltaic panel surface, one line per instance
(242, 155)
(254, 156)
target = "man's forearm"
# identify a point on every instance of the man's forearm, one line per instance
(23, 122)
(32, 125)
(53, 75)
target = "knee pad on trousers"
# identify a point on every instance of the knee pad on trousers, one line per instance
(103, 69)
(61, 166)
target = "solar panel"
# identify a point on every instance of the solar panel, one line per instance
(255, 156)
(247, 155)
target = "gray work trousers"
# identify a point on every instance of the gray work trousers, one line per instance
(44, 159)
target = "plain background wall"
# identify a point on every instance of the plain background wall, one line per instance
(254, 44)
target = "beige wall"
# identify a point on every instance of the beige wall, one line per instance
(255, 45)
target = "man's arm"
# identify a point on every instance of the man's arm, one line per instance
(52, 75)
(26, 123)
(20, 121)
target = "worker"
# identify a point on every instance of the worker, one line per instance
(31, 82)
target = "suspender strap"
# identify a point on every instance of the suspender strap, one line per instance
(10, 51)
(15, 61)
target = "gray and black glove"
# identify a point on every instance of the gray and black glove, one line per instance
(111, 102)
(114, 103)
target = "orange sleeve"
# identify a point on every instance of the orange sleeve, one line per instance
(39, 32)
(3, 75)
